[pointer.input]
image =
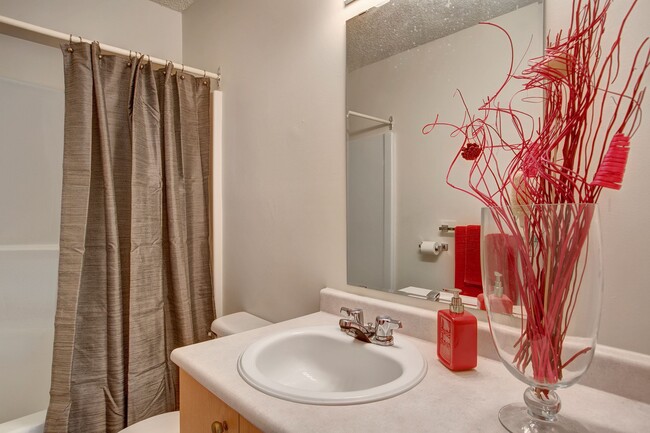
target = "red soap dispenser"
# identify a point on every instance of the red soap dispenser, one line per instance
(499, 303)
(457, 345)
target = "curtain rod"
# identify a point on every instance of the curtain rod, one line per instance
(388, 122)
(42, 35)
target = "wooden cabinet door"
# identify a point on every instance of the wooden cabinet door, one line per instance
(200, 409)
(246, 427)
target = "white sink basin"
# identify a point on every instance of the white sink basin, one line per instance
(322, 365)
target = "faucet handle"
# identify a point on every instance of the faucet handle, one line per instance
(355, 314)
(384, 326)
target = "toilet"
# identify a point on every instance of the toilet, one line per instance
(221, 327)
(236, 323)
(169, 422)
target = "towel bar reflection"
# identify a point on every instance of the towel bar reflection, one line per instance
(388, 122)
(446, 228)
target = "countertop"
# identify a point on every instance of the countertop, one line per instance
(443, 402)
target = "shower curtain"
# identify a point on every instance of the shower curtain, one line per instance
(134, 275)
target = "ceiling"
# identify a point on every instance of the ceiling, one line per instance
(401, 25)
(404, 24)
(177, 5)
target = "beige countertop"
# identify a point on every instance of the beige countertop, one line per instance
(443, 402)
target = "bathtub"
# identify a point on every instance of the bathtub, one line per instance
(28, 275)
(28, 424)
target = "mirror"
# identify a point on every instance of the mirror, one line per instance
(405, 61)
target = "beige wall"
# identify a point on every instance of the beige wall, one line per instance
(138, 25)
(284, 153)
(283, 64)
(625, 214)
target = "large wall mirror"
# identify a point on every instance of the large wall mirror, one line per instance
(405, 61)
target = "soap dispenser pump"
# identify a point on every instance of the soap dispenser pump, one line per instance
(457, 335)
(499, 303)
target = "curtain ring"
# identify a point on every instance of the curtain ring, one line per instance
(99, 47)
(205, 81)
(148, 58)
(130, 62)
(70, 50)
(182, 71)
(169, 62)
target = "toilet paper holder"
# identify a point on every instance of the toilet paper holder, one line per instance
(432, 247)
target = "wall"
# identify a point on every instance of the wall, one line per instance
(138, 25)
(283, 68)
(284, 147)
(624, 214)
(31, 149)
(415, 86)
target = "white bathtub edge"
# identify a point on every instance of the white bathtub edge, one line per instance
(33, 423)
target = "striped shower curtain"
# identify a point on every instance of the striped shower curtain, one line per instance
(134, 275)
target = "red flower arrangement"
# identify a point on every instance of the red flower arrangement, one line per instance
(591, 109)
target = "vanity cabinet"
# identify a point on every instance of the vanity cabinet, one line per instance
(204, 412)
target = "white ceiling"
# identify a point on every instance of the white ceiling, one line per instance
(177, 5)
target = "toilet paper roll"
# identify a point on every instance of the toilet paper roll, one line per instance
(430, 248)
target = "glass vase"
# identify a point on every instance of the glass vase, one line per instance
(542, 287)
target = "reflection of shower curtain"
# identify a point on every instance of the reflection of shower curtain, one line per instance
(134, 278)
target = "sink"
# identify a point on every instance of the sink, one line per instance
(322, 365)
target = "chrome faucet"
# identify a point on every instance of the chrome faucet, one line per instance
(356, 314)
(384, 327)
(353, 325)
(380, 332)
(355, 330)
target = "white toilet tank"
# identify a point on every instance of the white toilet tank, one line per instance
(236, 323)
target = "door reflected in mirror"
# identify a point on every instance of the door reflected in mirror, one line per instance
(411, 61)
